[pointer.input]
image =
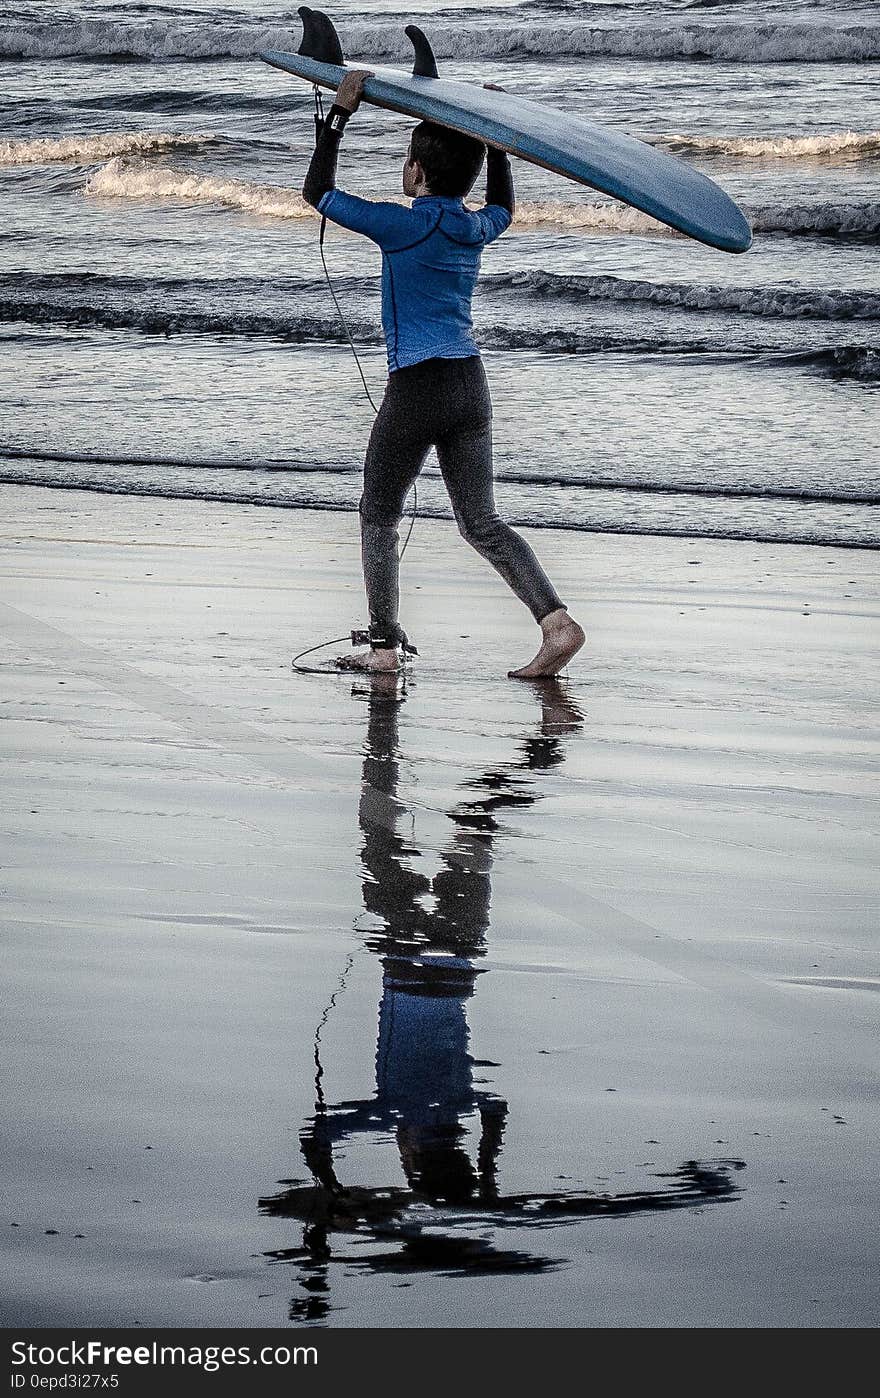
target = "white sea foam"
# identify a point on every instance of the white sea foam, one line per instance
(823, 220)
(132, 178)
(827, 146)
(86, 150)
(599, 218)
(757, 301)
(729, 41)
(137, 179)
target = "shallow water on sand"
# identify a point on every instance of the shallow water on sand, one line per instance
(452, 1003)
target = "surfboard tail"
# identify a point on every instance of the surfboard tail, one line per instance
(601, 158)
(425, 64)
(320, 39)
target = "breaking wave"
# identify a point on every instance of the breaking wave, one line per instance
(818, 220)
(834, 143)
(130, 178)
(786, 521)
(757, 301)
(730, 41)
(234, 310)
(133, 179)
(572, 481)
(296, 310)
(158, 320)
(795, 220)
(85, 150)
(859, 362)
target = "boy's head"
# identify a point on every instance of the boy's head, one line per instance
(445, 161)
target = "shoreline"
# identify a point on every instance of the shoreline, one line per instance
(511, 517)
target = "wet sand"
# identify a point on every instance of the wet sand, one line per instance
(476, 1004)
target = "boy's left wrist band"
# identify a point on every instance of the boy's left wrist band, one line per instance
(337, 119)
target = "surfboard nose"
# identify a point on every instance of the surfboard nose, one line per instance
(739, 231)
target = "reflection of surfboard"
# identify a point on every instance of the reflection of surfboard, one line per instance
(630, 170)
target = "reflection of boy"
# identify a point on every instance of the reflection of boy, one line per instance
(437, 393)
(425, 1087)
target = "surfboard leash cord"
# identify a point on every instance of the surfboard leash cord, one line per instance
(354, 637)
(319, 123)
(344, 323)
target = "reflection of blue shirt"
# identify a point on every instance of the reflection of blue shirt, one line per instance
(424, 1072)
(430, 264)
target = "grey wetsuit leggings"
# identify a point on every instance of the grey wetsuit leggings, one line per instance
(443, 403)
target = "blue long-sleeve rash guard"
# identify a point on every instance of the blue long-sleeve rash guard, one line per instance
(430, 260)
(430, 264)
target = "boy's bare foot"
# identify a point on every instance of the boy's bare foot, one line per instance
(563, 638)
(377, 661)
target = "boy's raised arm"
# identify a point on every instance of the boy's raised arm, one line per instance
(321, 174)
(499, 180)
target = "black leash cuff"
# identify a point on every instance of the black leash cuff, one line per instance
(384, 638)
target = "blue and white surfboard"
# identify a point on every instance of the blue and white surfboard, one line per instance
(616, 164)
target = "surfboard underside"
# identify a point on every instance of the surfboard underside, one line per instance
(608, 161)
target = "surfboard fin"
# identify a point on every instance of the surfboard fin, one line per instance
(425, 65)
(320, 40)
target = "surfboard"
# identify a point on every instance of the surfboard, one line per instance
(614, 163)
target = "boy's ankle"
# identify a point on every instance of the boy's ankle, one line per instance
(554, 620)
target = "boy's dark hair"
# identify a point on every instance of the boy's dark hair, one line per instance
(451, 162)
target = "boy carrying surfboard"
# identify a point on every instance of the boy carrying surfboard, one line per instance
(437, 393)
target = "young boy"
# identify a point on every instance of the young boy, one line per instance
(437, 393)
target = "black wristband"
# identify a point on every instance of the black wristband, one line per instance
(337, 119)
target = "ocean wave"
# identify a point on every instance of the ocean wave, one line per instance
(731, 41)
(158, 320)
(828, 146)
(86, 150)
(564, 481)
(165, 309)
(131, 178)
(241, 305)
(190, 463)
(818, 220)
(590, 218)
(797, 220)
(126, 178)
(799, 525)
(782, 302)
(859, 362)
